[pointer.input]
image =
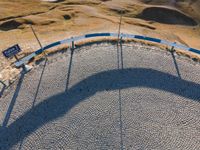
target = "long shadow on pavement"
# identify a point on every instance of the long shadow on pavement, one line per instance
(176, 65)
(13, 100)
(39, 83)
(69, 69)
(2, 88)
(120, 61)
(108, 80)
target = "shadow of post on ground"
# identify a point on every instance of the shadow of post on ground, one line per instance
(109, 80)
(2, 88)
(176, 65)
(39, 83)
(120, 67)
(13, 100)
(69, 68)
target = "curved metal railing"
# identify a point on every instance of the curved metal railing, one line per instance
(122, 35)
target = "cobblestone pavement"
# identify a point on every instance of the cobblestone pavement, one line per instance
(103, 97)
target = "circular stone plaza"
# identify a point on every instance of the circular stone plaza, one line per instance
(102, 97)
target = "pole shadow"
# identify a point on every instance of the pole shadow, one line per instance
(118, 56)
(3, 87)
(121, 121)
(120, 67)
(122, 57)
(39, 83)
(109, 80)
(120, 60)
(69, 69)
(13, 100)
(176, 65)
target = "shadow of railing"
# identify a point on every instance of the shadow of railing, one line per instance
(110, 80)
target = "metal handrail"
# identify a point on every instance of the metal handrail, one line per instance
(92, 35)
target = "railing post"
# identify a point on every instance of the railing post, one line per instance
(121, 37)
(25, 68)
(172, 50)
(73, 45)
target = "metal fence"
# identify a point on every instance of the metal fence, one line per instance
(122, 35)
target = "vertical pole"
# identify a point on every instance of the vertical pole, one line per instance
(172, 49)
(73, 46)
(121, 40)
(23, 66)
(119, 30)
(16, 57)
(38, 41)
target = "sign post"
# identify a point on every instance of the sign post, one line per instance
(13, 51)
(16, 57)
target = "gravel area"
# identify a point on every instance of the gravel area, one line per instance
(102, 97)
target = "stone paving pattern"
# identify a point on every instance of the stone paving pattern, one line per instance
(104, 97)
